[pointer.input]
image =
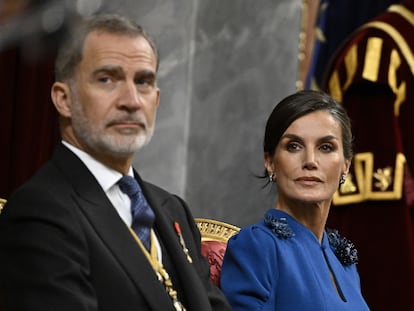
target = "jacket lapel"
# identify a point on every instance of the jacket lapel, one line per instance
(193, 288)
(103, 217)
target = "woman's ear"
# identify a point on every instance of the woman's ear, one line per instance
(347, 166)
(268, 163)
(61, 97)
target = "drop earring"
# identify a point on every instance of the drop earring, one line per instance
(343, 179)
(272, 177)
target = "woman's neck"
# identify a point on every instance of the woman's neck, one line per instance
(312, 215)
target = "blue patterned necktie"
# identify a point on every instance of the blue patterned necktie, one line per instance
(142, 215)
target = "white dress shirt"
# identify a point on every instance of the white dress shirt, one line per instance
(108, 179)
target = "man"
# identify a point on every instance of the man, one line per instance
(373, 76)
(66, 241)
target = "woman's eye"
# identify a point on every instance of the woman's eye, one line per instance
(292, 146)
(327, 147)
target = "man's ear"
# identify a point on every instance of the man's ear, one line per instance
(61, 97)
(158, 96)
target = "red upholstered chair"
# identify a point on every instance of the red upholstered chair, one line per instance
(214, 237)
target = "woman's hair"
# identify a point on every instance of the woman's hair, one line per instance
(302, 103)
(70, 51)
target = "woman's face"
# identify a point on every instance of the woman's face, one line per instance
(309, 159)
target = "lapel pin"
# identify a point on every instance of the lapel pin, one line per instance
(185, 249)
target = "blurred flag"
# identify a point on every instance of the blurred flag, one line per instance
(336, 20)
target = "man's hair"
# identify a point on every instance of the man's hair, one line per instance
(71, 48)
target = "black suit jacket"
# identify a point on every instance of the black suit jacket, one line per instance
(63, 246)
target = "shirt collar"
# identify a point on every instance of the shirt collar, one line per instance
(105, 176)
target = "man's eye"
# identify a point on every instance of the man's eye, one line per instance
(104, 79)
(140, 81)
(144, 82)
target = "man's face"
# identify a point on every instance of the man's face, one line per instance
(114, 96)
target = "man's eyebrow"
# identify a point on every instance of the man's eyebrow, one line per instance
(145, 73)
(107, 68)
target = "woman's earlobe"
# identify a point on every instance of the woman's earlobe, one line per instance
(268, 162)
(347, 166)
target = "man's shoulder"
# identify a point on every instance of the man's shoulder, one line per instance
(54, 177)
(161, 195)
(155, 189)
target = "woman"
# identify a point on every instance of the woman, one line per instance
(289, 260)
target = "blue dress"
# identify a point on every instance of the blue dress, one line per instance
(278, 264)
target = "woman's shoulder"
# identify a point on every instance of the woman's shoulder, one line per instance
(272, 227)
(254, 246)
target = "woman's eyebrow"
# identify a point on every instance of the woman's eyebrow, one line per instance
(291, 136)
(298, 138)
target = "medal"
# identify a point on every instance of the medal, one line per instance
(180, 236)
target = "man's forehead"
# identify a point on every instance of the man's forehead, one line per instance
(106, 44)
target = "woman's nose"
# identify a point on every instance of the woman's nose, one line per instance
(309, 161)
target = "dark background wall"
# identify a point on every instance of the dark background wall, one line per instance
(224, 65)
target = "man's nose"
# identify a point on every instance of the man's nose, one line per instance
(130, 97)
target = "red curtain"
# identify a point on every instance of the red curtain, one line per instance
(28, 125)
(376, 210)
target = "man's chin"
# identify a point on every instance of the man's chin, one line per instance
(130, 147)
